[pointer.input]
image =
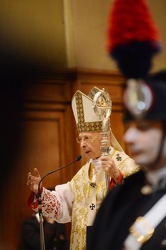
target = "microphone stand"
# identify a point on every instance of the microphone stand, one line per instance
(42, 241)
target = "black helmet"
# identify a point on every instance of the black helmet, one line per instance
(149, 99)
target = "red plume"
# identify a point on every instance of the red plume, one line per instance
(130, 20)
(133, 38)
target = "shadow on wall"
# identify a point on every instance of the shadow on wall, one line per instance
(14, 75)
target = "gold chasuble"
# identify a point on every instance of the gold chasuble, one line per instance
(88, 200)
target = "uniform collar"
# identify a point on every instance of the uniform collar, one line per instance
(154, 177)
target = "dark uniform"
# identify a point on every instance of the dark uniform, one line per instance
(132, 45)
(119, 211)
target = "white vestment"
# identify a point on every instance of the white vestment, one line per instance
(78, 200)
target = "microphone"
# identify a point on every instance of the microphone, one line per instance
(78, 158)
(42, 242)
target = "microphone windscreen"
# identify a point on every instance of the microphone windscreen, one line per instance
(78, 158)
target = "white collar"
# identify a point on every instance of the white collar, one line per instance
(154, 176)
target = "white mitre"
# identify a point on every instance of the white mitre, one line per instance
(86, 119)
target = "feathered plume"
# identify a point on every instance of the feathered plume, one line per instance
(133, 38)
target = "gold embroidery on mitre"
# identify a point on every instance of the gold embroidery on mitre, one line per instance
(82, 125)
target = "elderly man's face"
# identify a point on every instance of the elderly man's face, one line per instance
(90, 142)
(143, 140)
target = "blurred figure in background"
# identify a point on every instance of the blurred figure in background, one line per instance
(54, 234)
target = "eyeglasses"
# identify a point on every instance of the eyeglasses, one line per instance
(86, 139)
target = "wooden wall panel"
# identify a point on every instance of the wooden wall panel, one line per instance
(42, 147)
(48, 139)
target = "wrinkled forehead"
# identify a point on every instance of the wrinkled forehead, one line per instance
(91, 134)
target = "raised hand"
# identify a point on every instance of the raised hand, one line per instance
(108, 166)
(33, 181)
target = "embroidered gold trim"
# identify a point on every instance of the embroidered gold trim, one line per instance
(82, 125)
